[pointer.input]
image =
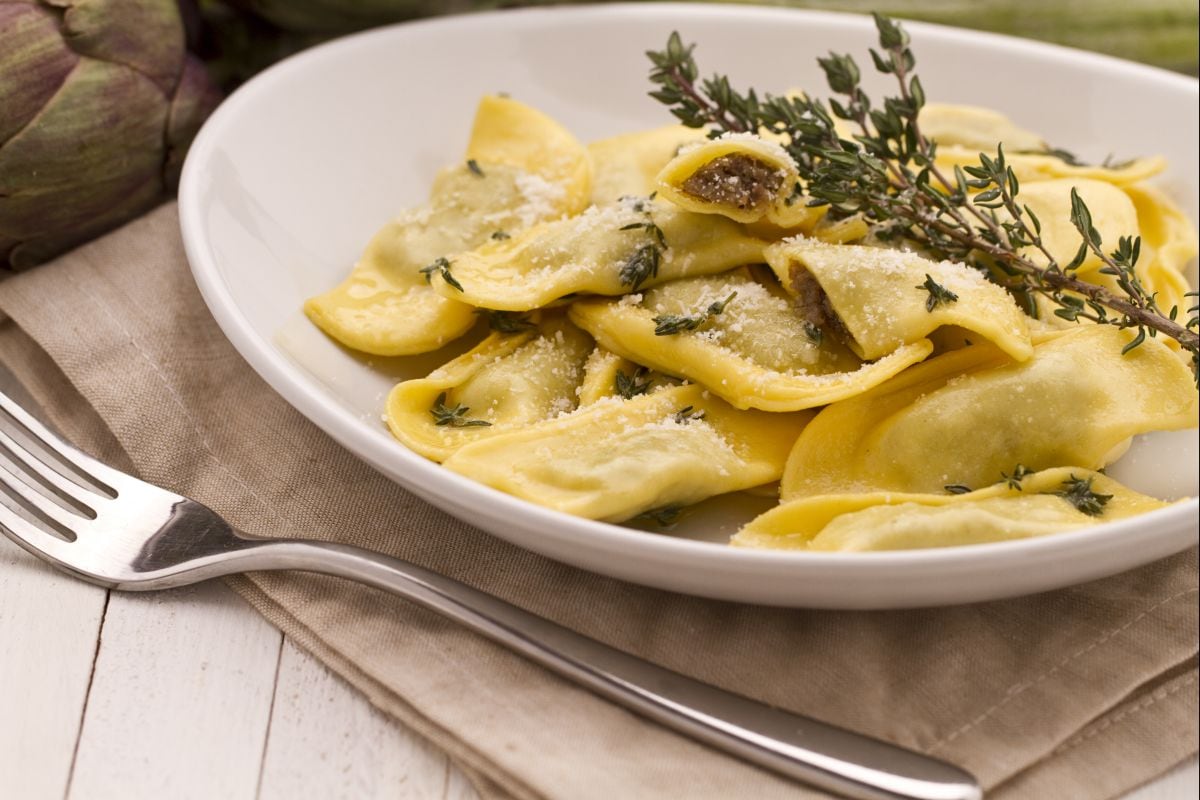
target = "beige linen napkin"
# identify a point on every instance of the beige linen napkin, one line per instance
(1081, 693)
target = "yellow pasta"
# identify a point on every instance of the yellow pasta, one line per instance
(742, 177)
(1168, 246)
(1034, 505)
(504, 383)
(967, 416)
(754, 354)
(1113, 216)
(674, 320)
(878, 297)
(1032, 167)
(607, 374)
(627, 165)
(606, 250)
(975, 128)
(521, 167)
(963, 132)
(615, 459)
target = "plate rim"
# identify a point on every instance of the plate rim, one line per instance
(349, 430)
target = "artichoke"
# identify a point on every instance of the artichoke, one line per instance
(100, 101)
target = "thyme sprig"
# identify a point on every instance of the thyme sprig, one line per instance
(671, 324)
(1078, 492)
(643, 264)
(456, 417)
(886, 171)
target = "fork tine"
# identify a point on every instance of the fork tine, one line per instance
(40, 504)
(32, 537)
(70, 490)
(89, 468)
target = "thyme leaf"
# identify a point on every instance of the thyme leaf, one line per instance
(643, 264)
(455, 417)
(1078, 492)
(441, 266)
(473, 165)
(957, 488)
(1063, 155)
(630, 386)
(500, 236)
(671, 324)
(1019, 473)
(664, 516)
(651, 228)
(506, 321)
(938, 294)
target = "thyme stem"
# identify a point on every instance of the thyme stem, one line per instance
(888, 172)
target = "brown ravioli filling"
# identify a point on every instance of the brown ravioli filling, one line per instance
(812, 304)
(735, 180)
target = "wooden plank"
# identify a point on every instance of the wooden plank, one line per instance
(1181, 782)
(180, 698)
(326, 740)
(49, 625)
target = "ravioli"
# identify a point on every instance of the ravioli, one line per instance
(521, 167)
(672, 320)
(559, 169)
(607, 250)
(1168, 239)
(963, 132)
(1113, 215)
(742, 177)
(1168, 246)
(883, 301)
(967, 416)
(506, 382)
(975, 128)
(1036, 505)
(1034, 167)
(618, 458)
(607, 374)
(627, 165)
(754, 353)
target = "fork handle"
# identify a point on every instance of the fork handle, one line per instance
(799, 747)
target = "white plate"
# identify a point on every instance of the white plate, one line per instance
(292, 175)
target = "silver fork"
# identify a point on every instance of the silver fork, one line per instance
(118, 531)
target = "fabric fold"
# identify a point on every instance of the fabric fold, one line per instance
(115, 341)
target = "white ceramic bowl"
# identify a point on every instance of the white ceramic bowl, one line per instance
(293, 173)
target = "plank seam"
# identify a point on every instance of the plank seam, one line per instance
(87, 695)
(262, 760)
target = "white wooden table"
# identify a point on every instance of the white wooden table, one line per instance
(190, 693)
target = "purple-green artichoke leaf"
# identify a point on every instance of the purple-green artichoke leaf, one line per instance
(144, 35)
(34, 64)
(99, 101)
